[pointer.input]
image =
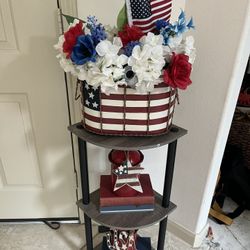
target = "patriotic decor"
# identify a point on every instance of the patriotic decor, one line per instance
(129, 74)
(121, 240)
(128, 175)
(126, 112)
(144, 13)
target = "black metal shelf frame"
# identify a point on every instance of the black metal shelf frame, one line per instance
(169, 139)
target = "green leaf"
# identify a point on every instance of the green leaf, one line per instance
(122, 18)
(70, 19)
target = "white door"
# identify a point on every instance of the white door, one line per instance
(36, 167)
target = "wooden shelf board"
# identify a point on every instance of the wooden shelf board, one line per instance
(126, 221)
(127, 142)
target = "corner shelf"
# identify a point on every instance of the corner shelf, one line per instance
(128, 221)
(128, 142)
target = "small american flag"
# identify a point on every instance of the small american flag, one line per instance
(128, 175)
(144, 13)
(126, 112)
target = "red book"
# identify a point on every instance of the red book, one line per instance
(109, 198)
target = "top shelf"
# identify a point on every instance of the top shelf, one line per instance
(127, 142)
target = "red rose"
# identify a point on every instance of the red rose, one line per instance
(177, 75)
(129, 34)
(71, 37)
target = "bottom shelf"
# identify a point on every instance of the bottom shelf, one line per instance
(126, 221)
(143, 243)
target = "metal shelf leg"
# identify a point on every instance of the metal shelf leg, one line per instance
(167, 191)
(83, 157)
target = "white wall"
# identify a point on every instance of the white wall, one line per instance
(206, 107)
(223, 45)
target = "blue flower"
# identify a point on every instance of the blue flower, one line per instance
(190, 24)
(160, 24)
(98, 34)
(84, 50)
(129, 47)
(91, 22)
(96, 29)
(182, 15)
(166, 37)
(181, 26)
(173, 29)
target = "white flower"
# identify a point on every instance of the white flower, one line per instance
(111, 32)
(102, 76)
(157, 55)
(180, 46)
(66, 64)
(107, 71)
(152, 39)
(188, 48)
(59, 45)
(174, 42)
(141, 54)
(147, 62)
(103, 47)
(174, 45)
(107, 49)
(120, 61)
(82, 73)
(105, 78)
(109, 66)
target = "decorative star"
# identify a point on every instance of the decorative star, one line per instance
(87, 102)
(87, 86)
(124, 247)
(91, 95)
(95, 87)
(122, 169)
(126, 174)
(95, 105)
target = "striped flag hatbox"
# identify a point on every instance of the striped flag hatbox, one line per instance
(127, 112)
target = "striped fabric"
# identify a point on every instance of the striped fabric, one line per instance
(144, 13)
(127, 112)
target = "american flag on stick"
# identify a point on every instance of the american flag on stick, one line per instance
(125, 111)
(144, 13)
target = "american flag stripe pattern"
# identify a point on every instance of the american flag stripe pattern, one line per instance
(144, 13)
(127, 112)
(128, 175)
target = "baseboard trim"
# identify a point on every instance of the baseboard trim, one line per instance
(195, 240)
(64, 220)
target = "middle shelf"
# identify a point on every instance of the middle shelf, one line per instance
(126, 221)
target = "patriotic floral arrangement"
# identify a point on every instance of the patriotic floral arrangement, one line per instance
(127, 55)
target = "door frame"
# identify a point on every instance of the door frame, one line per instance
(69, 7)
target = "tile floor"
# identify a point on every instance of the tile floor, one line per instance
(71, 236)
(68, 237)
(236, 236)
